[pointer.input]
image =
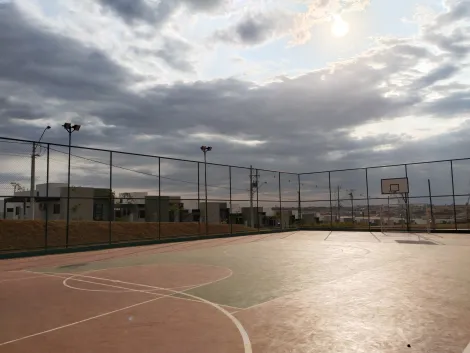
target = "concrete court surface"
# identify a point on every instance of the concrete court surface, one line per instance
(305, 291)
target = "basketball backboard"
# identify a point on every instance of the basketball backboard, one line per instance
(395, 186)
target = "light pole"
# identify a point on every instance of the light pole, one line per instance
(206, 149)
(32, 196)
(69, 128)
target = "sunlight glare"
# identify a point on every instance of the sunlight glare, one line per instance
(339, 28)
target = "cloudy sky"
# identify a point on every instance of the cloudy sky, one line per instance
(292, 85)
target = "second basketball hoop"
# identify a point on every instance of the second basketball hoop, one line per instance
(395, 186)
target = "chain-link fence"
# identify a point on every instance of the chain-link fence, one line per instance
(60, 196)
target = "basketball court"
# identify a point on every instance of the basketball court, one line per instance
(287, 292)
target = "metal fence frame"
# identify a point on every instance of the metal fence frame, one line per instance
(298, 176)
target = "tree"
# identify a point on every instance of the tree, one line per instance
(129, 199)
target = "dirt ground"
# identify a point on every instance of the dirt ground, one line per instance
(27, 234)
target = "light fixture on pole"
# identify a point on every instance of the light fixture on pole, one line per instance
(206, 149)
(32, 196)
(70, 129)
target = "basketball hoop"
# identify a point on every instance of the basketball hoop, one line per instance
(396, 187)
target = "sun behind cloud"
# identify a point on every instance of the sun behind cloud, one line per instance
(339, 27)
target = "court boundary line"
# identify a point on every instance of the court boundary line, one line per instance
(239, 326)
(79, 322)
(187, 287)
(289, 235)
(70, 276)
(375, 236)
(241, 329)
(162, 264)
(116, 250)
(235, 321)
(124, 289)
(467, 349)
(328, 235)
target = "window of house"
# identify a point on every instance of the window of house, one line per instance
(142, 214)
(98, 211)
(56, 209)
(10, 210)
(117, 213)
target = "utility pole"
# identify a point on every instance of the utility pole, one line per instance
(339, 206)
(32, 195)
(254, 184)
(251, 196)
(351, 195)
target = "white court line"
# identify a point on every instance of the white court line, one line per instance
(241, 329)
(182, 287)
(238, 325)
(79, 322)
(71, 277)
(124, 289)
(467, 350)
(187, 287)
(93, 290)
(64, 282)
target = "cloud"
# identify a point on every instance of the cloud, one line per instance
(255, 28)
(320, 11)
(139, 10)
(154, 12)
(449, 31)
(174, 52)
(443, 72)
(300, 123)
(51, 64)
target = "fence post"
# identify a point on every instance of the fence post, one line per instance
(159, 200)
(430, 203)
(280, 199)
(46, 229)
(198, 199)
(407, 204)
(252, 216)
(331, 203)
(453, 192)
(367, 194)
(230, 191)
(111, 198)
(257, 201)
(67, 225)
(299, 211)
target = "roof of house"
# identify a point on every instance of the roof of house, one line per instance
(20, 199)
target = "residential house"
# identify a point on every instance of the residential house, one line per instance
(85, 203)
(130, 207)
(217, 212)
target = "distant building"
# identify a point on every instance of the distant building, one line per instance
(130, 207)
(257, 216)
(217, 212)
(85, 203)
